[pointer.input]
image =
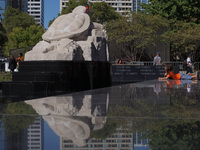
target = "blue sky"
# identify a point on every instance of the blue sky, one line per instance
(51, 10)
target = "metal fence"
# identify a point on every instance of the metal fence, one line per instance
(196, 65)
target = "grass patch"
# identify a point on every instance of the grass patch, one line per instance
(5, 76)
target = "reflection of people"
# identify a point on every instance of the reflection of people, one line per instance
(157, 89)
(119, 62)
(157, 59)
(189, 64)
(188, 88)
(12, 63)
(177, 76)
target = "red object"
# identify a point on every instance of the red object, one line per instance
(87, 9)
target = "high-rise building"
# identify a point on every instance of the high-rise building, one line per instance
(121, 6)
(35, 135)
(19, 4)
(2, 8)
(63, 4)
(36, 9)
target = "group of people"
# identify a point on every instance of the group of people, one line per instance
(170, 74)
(13, 63)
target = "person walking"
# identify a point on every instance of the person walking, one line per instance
(157, 59)
(12, 63)
(189, 64)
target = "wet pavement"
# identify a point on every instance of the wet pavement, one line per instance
(156, 115)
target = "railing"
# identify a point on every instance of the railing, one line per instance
(175, 63)
(196, 65)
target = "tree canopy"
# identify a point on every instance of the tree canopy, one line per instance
(102, 13)
(15, 18)
(136, 33)
(187, 10)
(184, 38)
(21, 37)
(99, 12)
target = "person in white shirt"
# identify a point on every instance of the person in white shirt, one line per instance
(157, 59)
(189, 64)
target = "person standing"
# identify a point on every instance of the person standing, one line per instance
(20, 58)
(157, 59)
(189, 64)
(12, 63)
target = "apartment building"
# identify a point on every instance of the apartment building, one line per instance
(121, 6)
(18, 4)
(36, 9)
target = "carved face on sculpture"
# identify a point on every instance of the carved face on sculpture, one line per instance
(68, 26)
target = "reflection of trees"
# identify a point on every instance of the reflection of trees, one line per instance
(178, 136)
(168, 126)
(108, 129)
(18, 117)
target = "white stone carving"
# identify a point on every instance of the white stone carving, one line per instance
(72, 37)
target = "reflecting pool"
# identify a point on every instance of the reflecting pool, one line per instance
(156, 115)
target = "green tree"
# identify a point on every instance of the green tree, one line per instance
(187, 10)
(21, 116)
(102, 13)
(3, 37)
(136, 33)
(98, 12)
(21, 37)
(184, 38)
(15, 18)
(73, 4)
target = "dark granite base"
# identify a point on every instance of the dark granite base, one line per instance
(45, 78)
(135, 73)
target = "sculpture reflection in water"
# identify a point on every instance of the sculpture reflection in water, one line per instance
(73, 116)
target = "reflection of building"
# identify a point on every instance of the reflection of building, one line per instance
(36, 9)
(139, 142)
(121, 6)
(119, 141)
(35, 135)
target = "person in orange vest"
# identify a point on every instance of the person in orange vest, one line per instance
(20, 58)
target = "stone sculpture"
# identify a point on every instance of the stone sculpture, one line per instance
(72, 37)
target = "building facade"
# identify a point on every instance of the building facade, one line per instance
(2, 8)
(121, 6)
(36, 9)
(18, 4)
(35, 135)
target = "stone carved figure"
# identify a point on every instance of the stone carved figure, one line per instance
(72, 37)
(72, 117)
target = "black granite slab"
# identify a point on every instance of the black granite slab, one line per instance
(135, 73)
(144, 115)
(54, 77)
